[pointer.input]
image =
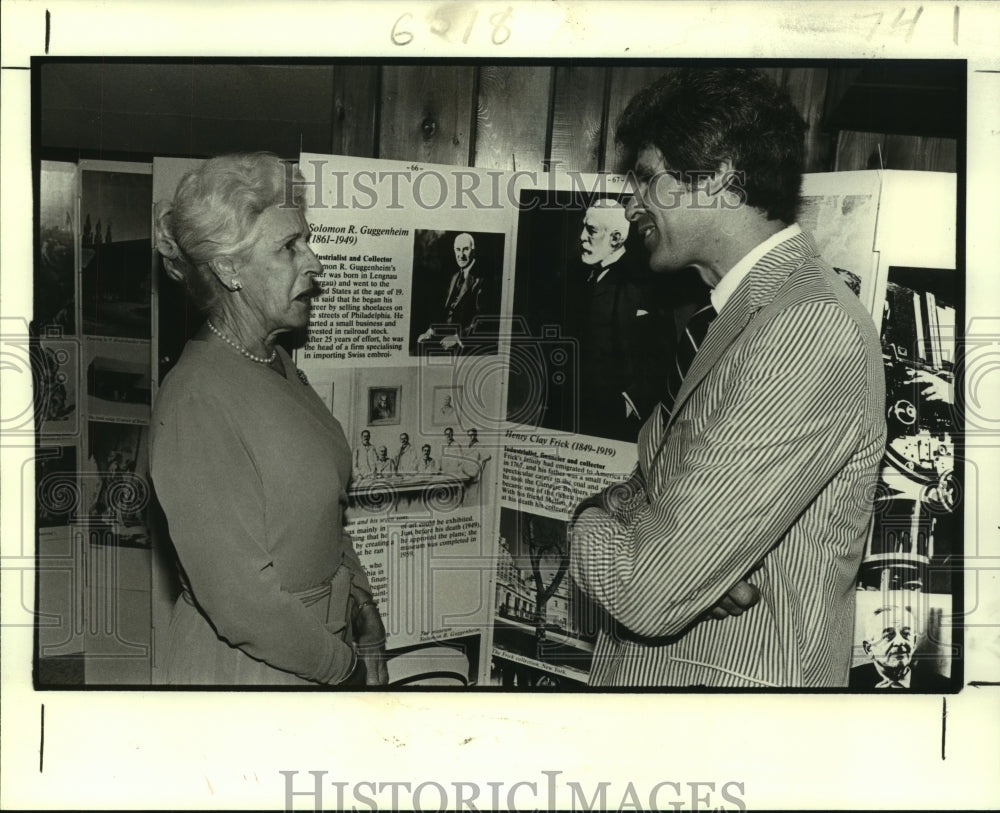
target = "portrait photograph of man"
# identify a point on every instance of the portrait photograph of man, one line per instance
(383, 405)
(582, 276)
(456, 291)
(891, 639)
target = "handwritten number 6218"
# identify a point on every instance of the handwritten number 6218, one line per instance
(402, 35)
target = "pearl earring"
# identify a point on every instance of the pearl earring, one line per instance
(237, 285)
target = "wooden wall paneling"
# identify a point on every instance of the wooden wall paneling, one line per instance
(838, 84)
(857, 150)
(427, 113)
(512, 117)
(355, 110)
(579, 121)
(921, 153)
(807, 89)
(625, 83)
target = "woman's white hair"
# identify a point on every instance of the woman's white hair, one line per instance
(213, 214)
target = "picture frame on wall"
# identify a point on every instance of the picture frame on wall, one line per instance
(383, 405)
(445, 405)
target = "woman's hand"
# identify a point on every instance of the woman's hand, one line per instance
(369, 639)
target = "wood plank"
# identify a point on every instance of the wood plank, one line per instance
(857, 150)
(512, 117)
(839, 82)
(355, 110)
(578, 119)
(427, 113)
(807, 89)
(921, 153)
(625, 83)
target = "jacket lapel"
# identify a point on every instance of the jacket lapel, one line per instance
(757, 289)
(467, 287)
(456, 280)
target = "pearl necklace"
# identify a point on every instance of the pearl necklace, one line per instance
(240, 347)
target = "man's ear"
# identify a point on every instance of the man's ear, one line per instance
(726, 184)
(225, 271)
(867, 647)
(722, 178)
(617, 238)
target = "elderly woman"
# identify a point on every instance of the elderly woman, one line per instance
(250, 467)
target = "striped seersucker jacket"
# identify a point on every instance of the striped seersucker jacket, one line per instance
(766, 471)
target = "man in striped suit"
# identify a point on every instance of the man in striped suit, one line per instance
(729, 558)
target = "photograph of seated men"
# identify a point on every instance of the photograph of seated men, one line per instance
(582, 278)
(457, 286)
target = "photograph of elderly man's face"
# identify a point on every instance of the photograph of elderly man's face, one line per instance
(457, 282)
(603, 322)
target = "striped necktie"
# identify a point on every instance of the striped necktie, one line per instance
(687, 347)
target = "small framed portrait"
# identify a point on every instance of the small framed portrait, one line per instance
(445, 405)
(383, 406)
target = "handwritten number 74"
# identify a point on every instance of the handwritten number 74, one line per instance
(901, 23)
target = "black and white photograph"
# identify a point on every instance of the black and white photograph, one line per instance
(115, 246)
(383, 405)
(582, 281)
(118, 380)
(542, 620)
(54, 285)
(57, 490)
(56, 367)
(908, 572)
(402, 464)
(446, 407)
(915, 540)
(115, 482)
(680, 397)
(457, 290)
(587, 266)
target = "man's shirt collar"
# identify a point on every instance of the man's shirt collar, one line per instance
(720, 293)
(889, 683)
(612, 258)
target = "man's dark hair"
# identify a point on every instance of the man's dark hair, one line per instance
(698, 117)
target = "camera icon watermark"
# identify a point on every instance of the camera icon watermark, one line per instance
(978, 366)
(541, 370)
(40, 377)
